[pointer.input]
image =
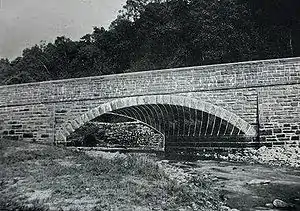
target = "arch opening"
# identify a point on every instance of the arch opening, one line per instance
(184, 122)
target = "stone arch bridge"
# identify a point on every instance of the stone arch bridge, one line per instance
(242, 104)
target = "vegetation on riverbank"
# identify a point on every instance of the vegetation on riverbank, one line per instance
(41, 177)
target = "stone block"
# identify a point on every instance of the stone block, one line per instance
(59, 137)
(75, 124)
(266, 132)
(90, 115)
(95, 112)
(45, 136)
(16, 126)
(28, 135)
(69, 128)
(277, 130)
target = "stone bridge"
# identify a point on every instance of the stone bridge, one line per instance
(244, 104)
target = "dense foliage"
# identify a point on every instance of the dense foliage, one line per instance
(153, 34)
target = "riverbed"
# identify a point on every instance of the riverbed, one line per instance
(247, 186)
(241, 185)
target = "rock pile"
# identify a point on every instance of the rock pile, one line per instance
(278, 156)
(125, 134)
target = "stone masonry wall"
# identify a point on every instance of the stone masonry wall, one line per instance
(40, 122)
(279, 114)
(37, 110)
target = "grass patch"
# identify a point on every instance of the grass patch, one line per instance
(41, 177)
(10, 205)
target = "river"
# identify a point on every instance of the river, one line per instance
(245, 186)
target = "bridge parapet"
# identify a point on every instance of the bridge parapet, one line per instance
(169, 81)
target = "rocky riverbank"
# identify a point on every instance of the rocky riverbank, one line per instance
(288, 156)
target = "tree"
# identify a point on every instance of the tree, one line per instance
(156, 34)
(279, 21)
(30, 67)
(6, 71)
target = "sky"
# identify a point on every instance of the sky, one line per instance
(24, 23)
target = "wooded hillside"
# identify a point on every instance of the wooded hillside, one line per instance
(155, 34)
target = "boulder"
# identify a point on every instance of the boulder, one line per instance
(258, 182)
(269, 205)
(280, 204)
